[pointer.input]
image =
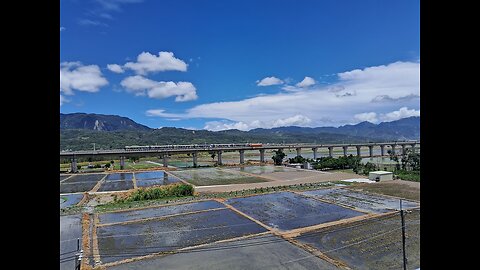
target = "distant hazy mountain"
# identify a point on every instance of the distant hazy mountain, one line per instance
(403, 129)
(94, 121)
(80, 131)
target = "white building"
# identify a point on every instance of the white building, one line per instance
(380, 176)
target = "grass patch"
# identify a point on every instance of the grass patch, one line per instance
(155, 193)
(118, 205)
(408, 175)
(71, 210)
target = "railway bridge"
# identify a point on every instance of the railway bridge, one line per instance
(166, 151)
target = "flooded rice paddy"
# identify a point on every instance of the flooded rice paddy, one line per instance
(68, 200)
(370, 244)
(122, 241)
(286, 210)
(129, 215)
(367, 202)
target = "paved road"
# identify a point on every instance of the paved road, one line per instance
(70, 230)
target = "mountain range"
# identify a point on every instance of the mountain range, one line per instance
(79, 131)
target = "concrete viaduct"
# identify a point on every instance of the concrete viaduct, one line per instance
(165, 153)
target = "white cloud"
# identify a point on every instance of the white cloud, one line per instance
(292, 88)
(306, 82)
(115, 5)
(62, 28)
(370, 117)
(218, 125)
(75, 76)
(63, 100)
(147, 62)
(115, 68)
(269, 81)
(296, 120)
(88, 22)
(401, 113)
(140, 86)
(332, 105)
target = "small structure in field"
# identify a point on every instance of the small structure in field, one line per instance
(380, 176)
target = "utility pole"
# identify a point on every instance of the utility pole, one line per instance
(78, 256)
(403, 237)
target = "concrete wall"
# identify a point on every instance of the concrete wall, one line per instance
(382, 176)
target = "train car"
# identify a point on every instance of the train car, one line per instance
(255, 144)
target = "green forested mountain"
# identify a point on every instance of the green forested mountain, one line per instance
(99, 122)
(121, 131)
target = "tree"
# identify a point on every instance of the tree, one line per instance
(278, 157)
(212, 154)
(107, 165)
(297, 159)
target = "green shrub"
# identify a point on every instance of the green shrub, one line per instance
(175, 190)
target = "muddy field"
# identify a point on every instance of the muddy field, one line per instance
(129, 215)
(371, 244)
(399, 188)
(261, 252)
(262, 169)
(119, 176)
(287, 210)
(122, 241)
(294, 174)
(214, 176)
(367, 202)
(76, 187)
(80, 178)
(68, 200)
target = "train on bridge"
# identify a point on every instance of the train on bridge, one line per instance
(188, 146)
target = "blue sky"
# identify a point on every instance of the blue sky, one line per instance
(241, 64)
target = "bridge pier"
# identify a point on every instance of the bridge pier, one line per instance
(382, 150)
(370, 150)
(122, 163)
(299, 151)
(358, 151)
(314, 153)
(345, 150)
(73, 165)
(262, 155)
(242, 156)
(393, 149)
(219, 156)
(330, 151)
(404, 150)
(165, 160)
(413, 148)
(194, 156)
